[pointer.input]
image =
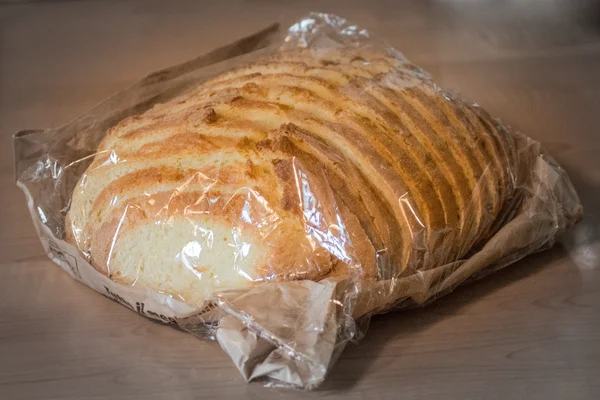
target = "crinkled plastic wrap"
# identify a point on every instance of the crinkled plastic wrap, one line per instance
(264, 253)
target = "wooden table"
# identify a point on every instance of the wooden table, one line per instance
(530, 331)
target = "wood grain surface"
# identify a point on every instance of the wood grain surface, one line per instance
(530, 331)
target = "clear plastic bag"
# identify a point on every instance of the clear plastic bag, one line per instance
(277, 207)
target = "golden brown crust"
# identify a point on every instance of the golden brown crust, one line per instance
(327, 161)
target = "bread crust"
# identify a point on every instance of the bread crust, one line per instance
(303, 165)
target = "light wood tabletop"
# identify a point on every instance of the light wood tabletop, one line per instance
(530, 331)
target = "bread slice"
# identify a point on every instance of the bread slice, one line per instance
(304, 165)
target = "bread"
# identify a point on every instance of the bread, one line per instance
(304, 165)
